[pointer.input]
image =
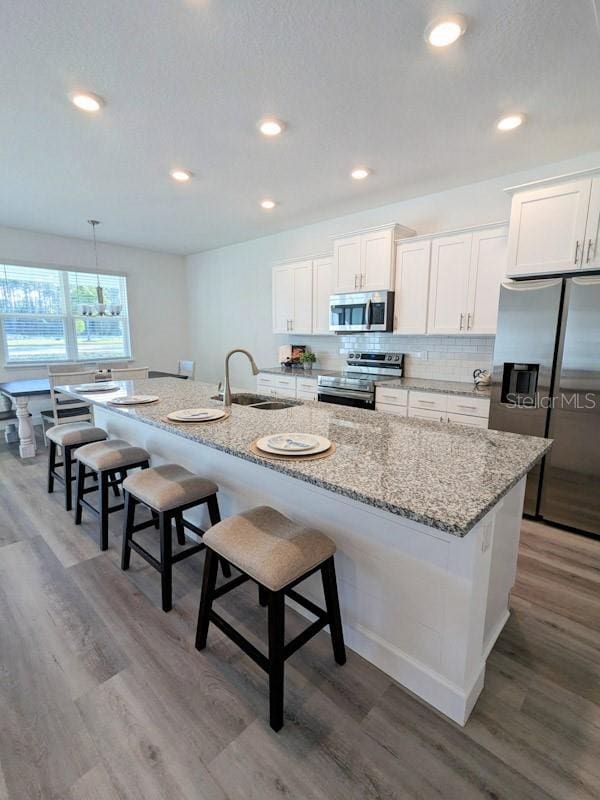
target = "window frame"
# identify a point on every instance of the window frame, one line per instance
(68, 318)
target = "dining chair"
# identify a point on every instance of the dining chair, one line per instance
(187, 368)
(66, 409)
(53, 369)
(133, 374)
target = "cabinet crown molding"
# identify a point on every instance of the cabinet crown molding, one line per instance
(399, 231)
(298, 259)
(568, 176)
(471, 228)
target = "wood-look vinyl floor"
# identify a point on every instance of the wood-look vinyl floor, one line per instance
(103, 697)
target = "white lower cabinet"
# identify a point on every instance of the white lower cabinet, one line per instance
(436, 406)
(290, 386)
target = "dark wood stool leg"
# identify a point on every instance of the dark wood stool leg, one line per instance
(103, 509)
(180, 529)
(79, 495)
(215, 517)
(166, 566)
(209, 579)
(51, 463)
(127, 530)
(276, 659)
(333, 610)
(263, 596)
(68, 473)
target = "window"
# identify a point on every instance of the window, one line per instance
(52, 315)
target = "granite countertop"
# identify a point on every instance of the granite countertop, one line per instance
(417, 384)
(431, 385)
(446, 477)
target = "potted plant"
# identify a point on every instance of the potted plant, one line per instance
(307, 359)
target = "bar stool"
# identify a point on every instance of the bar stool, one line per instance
(108, 463)
(68, 437)
(168, 491)
(276, 553)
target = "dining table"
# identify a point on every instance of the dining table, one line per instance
(21, 392)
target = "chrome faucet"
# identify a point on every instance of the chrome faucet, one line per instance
(227, 389)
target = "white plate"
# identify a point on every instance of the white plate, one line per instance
(196, 414)
(101, 386)
(133, 399)
(293, 442)
(321, 445)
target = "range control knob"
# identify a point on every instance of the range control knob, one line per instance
(396, 358)
(388, 358)
(351, 355)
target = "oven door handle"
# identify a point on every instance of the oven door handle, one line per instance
(368, 314)
(355, 395)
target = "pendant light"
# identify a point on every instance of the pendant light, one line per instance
(99, 307)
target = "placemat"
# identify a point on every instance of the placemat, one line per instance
(273, 457)
(195, 421)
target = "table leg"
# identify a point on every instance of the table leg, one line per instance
(26, 434)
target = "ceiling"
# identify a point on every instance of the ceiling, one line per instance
(185, 82)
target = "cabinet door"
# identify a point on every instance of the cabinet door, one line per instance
(488, 270)
(547, 228)
(464, 419)
(322, 289)
(282, 299)
(412, 287)
(377, 261)
(450, 262)
(302, 298)
(591, 255)
(346, 260)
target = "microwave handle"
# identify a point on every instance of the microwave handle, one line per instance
(368, 314)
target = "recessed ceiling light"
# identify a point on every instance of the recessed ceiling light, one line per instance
(180, 175)
(510, 122)
(445, 30)
(271, 126)
(360, 172)
(86, 101)
(268, 204)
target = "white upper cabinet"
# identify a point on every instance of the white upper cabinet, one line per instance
(448, 297)
(292, 296)
(548, 228)
(377, 260)
(466, 272)
(346, 259)
(322, 289)
(282, 299)
(488, 270)
(302, 302)
(365, 261)
(411, 292)
(591, 252)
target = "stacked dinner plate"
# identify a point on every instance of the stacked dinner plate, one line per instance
(133, 399)
(100, 386)
(197, 415)
(293, 444)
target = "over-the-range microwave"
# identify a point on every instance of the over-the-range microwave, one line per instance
(361, 311)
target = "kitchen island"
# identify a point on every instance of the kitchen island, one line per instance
(426, 519)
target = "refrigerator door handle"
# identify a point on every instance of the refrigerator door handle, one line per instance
(530, 286)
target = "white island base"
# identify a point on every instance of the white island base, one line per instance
(423, 605)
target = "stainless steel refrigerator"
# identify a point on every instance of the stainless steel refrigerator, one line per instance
(546, 382)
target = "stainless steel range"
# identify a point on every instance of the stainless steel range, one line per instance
(355, 386)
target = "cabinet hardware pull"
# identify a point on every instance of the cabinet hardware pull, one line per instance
(469, 321)
(355, 280)
(576, 252)
(461, 406)
(427, 402)
(291, 324)
(589, 252)
(461, 322)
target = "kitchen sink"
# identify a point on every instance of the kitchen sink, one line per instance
(259, 401)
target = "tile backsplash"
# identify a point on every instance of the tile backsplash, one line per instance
(451, 358)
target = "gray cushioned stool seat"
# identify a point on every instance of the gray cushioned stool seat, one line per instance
(168, 486)
(75, 433)
(268, 546)
(111, 454)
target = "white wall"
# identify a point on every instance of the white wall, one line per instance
(229, 289)
(156, 288)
